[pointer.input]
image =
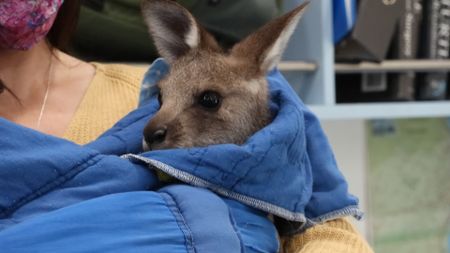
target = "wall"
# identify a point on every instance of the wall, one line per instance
(348, 139)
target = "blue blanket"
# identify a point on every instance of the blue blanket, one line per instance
(57, 196)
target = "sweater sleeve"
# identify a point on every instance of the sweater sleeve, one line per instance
(336, 236)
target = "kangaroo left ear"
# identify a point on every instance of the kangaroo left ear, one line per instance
(174, 30)
(265, 47)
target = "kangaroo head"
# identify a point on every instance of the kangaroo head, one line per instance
(211, 96)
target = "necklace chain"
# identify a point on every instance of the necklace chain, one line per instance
(47, 91)
(49, 80)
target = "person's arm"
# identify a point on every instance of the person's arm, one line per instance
(59, 196)
(33, 165)
(336, 236)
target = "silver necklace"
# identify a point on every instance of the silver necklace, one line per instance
(49, 80)
(47, 91)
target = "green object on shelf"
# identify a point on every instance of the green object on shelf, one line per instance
(114, 30)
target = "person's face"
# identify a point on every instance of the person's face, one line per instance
(23, 23)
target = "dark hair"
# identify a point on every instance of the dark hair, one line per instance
(65, 25)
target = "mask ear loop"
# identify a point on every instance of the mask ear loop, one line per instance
(4, 88)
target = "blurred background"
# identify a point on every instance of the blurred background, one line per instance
(374, 71)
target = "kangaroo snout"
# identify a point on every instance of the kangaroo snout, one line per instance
(154, 135)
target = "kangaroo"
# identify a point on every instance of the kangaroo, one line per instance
(211, 95)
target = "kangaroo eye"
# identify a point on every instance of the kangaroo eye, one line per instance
(210, 99)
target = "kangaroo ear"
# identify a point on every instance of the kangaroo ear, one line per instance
(265, 47)
(174, 30)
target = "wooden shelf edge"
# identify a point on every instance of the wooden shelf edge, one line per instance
(371, 67)
(297, 66)
(394, 66)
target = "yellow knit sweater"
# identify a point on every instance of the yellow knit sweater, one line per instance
(114, 92)
(336, 236)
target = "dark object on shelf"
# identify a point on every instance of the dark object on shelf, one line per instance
(372, 33)
(351, 88)
(348, 88)
(366, 87)
(405, 46)
(435, 45)
(448, 86)
(115, 31)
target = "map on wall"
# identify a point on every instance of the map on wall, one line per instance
(409, 185)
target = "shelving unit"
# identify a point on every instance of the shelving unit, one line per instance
(309, 66)
(393, 66)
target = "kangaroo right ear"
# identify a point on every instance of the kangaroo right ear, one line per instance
(265, 47)
(174, 30)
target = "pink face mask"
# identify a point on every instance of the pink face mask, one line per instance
(23, 23)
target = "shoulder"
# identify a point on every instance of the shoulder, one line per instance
(120, 74)
(113, 93)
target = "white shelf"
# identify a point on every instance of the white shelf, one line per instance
(383, 110)
(297, 66)
(372, 67)
(393, 66)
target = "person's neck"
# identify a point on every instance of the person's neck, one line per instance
(25, 72)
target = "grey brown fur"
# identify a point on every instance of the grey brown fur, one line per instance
(198, 64)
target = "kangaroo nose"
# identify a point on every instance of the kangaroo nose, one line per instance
(156, 136)
(159, 135)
